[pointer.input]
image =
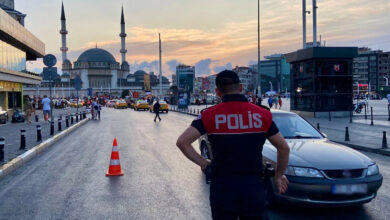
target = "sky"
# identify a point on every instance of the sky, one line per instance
(211, 34)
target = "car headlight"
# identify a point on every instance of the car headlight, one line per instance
(303, 172)
(372, 170)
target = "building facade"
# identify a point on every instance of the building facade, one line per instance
(185, 77)
(17, 46)
(275, 74)
(246, 77)
(366, 71)
(384, 70)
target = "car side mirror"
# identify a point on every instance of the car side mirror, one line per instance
(324, 135)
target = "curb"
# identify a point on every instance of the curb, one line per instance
(7, 168)
(183, 112)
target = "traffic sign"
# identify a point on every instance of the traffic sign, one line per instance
(77, 83)
(49, 60)
(49, 73)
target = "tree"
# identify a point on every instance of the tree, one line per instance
(125, 93)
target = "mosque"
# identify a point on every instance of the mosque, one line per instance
(100, 73)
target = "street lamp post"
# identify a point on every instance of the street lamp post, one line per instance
(258, 47)
(271, 86)
(387, 80)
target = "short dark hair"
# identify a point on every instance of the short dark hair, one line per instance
(227, 81)
(44, 96)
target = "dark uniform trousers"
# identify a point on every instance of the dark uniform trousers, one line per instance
(233, 198)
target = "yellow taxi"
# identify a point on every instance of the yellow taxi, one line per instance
(141, 105)
(164, 107)
(120, 104)
(74, 103)
(132, 105)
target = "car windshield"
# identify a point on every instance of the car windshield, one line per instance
(292, 126)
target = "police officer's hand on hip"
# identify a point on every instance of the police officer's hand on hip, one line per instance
(236, 131)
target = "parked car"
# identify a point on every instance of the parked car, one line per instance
(18, 116)
(3, 116)
(164, 107)
(320, 172)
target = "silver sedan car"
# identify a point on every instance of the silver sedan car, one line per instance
(321, 172)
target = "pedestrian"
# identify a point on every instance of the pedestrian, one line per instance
(254, 98)
(237, 183)
(280, 102)
(96, 110)
(46, 102)
(388, 98)
(156, 109)
(259, 101)
(99, 108)
(93, 103)
(270, 102)
(275, 101)
(28, 108)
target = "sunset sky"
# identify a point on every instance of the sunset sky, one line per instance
(210, 34)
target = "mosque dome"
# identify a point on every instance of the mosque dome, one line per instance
(96, 55)
(140, 73)
(66, 61)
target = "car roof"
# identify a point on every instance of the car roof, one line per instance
(278, 112)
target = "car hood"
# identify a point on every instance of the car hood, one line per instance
(321, 154)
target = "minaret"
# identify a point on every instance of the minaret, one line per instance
(63, 33)
(123, 36)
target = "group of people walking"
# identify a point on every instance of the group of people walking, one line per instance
(275, 101)
(95, 110)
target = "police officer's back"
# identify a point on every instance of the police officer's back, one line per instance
(236, 130)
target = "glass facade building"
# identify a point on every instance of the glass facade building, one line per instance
(321, 80)
(275, 73)
(185, 78)
(366, 70)
(17, 45)
(12, 58)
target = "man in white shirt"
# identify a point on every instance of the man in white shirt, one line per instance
(46, 107)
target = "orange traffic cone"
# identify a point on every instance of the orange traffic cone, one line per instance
(115, 167)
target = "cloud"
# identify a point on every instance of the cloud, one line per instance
(145, 66)
(218, 69)
(172, 65)
(202, 67)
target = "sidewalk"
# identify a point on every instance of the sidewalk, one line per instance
(11, 132)
(362, 135)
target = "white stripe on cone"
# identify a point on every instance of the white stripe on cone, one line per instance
(114, 162)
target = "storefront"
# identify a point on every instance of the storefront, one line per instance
(11, 95)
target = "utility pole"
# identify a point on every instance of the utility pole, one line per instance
(160, 71)
(315, 23)
(258, 47)
(304, 22)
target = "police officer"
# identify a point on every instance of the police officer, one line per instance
(237, 131)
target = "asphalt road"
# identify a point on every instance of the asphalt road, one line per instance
(68, 180)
